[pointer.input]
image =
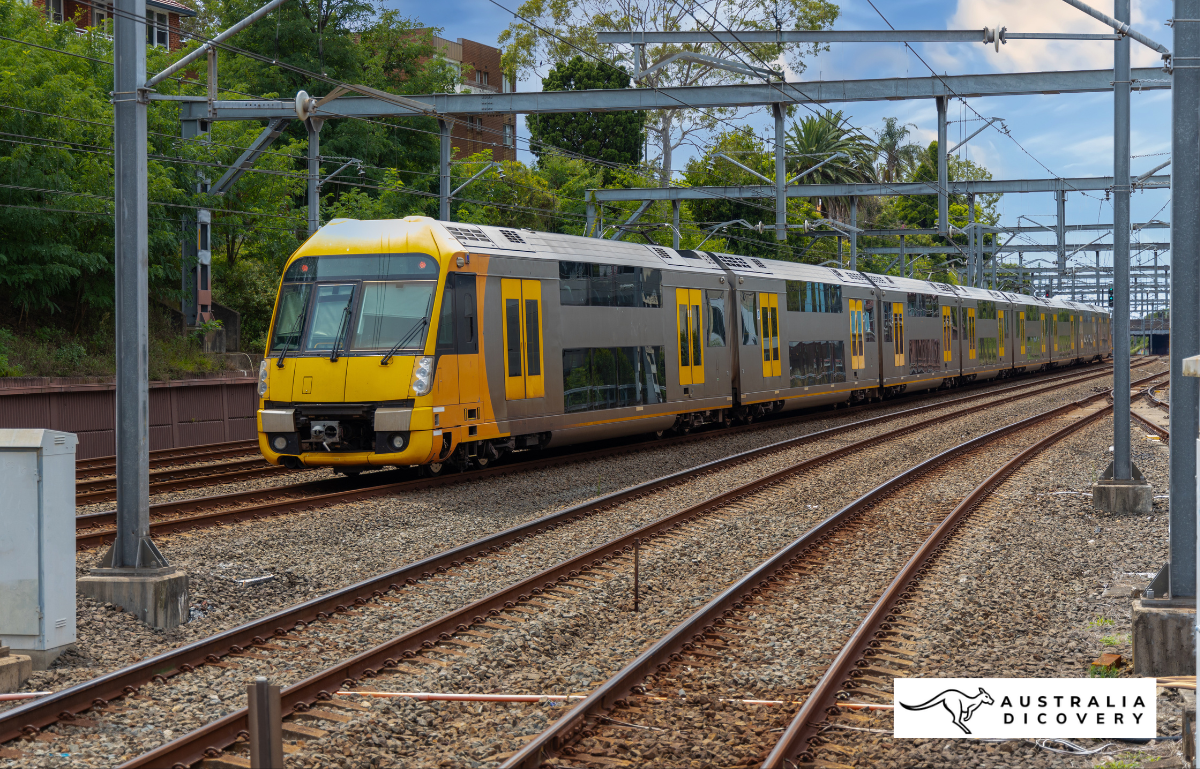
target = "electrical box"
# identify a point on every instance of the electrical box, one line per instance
(37, 542)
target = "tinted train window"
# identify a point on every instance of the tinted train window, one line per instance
(582, 284)
(716, 318)
(924, 356)
(868, 320)
(985, 310)
(613, 377)
(749, 317)
(923, 306)
(816, 363)
(810, 296)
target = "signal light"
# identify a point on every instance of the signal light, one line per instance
(1110, 297)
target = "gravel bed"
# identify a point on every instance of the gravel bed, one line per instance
(1038, 584)
(315, 552)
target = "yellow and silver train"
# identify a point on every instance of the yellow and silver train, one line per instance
(419, 342)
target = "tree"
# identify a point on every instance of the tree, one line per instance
(556, 31)
(921, 211)
(815, 140)
(613, 137)
(897, 158)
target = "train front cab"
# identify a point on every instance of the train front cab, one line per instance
(920, 334)
(363, 365)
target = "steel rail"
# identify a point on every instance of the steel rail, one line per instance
(1164, 405)
(162, 479)
(93, 529)
(168, 457)
(219, 734)
(682, 637)
(806, 724)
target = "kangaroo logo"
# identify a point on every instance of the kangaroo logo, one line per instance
(960, 706)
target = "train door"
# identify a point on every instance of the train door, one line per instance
(524, 375)
(1001, 330)
(947, 320)
(898, 334)
(858, 353)
(970, 329)
(1048, 320)
(1021, 332)
(466, 311)
(689, 328)
(768, 309)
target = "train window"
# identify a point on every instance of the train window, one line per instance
(389, 313)
(985, 310)
(362, 266)
(613, 377)
(810, 296)
(533, 338)
(923, 305)
(333, 302)
(716, 318)
(445, 332)
(289, 320)
(816, 363)
(583, 284)
(988, 350)
(749, 318)
(512, 322)
(924, 356)
(887, 326)
(868, 321)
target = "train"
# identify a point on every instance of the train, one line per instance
(421, 343)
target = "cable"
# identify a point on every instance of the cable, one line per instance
(152, 202)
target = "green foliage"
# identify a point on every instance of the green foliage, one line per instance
(897, 159)
(1100, 622)
(818, 138)
(613, 137)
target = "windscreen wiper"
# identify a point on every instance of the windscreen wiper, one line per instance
(337, 340)
(411, 333)
(295, 330)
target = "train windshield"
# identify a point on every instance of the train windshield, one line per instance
(378, 301)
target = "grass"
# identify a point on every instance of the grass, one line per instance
(1114, 640)
(49, 351)
(1101, 622)
(1126, 761)
(1104, 671)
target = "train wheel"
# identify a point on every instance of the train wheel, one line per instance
(481, 462)
(433, 469)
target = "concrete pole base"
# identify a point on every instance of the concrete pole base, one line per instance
(1164, 642)
(1123, 496)
(15, 670)
(158, 597)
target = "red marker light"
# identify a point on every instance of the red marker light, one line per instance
(304, 268)
(421, 265)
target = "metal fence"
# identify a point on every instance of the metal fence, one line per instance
(187, 412)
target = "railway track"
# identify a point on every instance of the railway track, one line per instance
(159, 458)
(93, 491)
(1157, 418)
(662, 704)
(312, 622)
(98, 529)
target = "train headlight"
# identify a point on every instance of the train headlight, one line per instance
(422, 377)
(280, 443)
(264, 375)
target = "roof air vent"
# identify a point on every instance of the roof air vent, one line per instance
(466, 234)
(512, 236)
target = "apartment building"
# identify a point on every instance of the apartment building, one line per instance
(479, 65)
(162, 18)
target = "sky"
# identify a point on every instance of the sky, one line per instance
(1050, 135)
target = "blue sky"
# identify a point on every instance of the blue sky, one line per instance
(1071, 135)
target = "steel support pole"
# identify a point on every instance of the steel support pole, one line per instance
(591, 219)
(839, 241)
(972, 240)
(444, 171)
(1099, 288)
(854, 232)
(314, 173)
(780, 175)
(675, 221)
(943, 170)
(903, 259)
(1060, 199)
(1122, 468)
(131, 214)
(1185, 296)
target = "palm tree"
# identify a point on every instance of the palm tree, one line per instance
(897, 159)
(815, 139)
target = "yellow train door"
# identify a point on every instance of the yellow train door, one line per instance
(1021, 331)
(524, 375)
(947, 352)
(971, 332)
(1000, 329)
(858, 354)
(691, 351)
(898, 333)
(769, 333)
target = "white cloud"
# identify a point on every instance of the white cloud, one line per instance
(1051, 16)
